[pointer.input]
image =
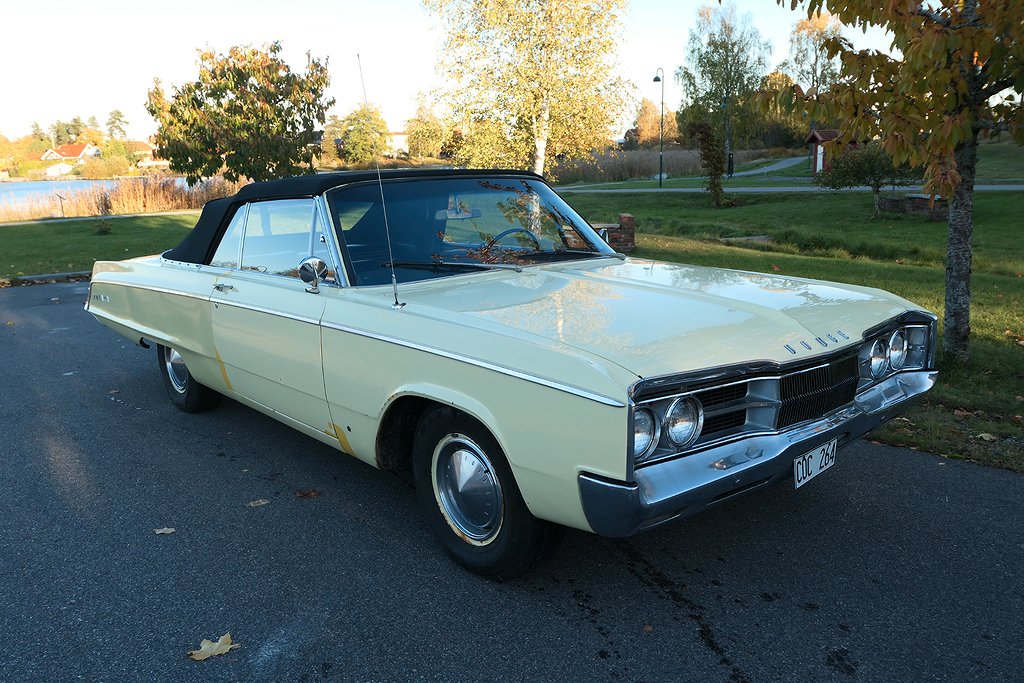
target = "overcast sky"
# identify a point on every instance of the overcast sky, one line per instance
(67, 58)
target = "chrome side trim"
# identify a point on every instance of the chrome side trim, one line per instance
(152, 288)
(477, 362)
(268, 311)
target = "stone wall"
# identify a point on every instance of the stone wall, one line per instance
(919, 204)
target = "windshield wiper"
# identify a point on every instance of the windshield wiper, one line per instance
(594, 254)
(468, 265)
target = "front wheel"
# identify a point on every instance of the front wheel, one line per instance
(182, 388)
(473, 506)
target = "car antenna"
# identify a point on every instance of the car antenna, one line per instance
(383, 206)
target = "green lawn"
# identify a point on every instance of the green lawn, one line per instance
(832, 237)
(73, 245)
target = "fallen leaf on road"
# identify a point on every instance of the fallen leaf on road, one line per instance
(985, 436)
(311, 493)
(55, 299)
(114, 391)
(163, 531)
(10, 322)
(257, 503)
(208, 648)
(648, 628)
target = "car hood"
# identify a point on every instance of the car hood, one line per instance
(656, 318)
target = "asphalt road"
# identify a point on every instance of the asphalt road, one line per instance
(894, 565)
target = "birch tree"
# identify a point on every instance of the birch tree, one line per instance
(810, 63)
(542, 70)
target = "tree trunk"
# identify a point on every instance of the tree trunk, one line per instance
(956, 336)
(541, 129)
(877, 191)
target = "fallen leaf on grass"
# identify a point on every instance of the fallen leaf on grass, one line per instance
(163, 531)
(208, 648)
(1018, 418)
(985, 436)
(962, 413)
(1020, 398)
(903, 419)
(257, 503)
(311, 493)
(775, 268)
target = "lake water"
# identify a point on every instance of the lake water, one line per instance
(16, 193)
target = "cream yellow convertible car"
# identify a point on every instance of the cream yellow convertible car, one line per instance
(471, 327)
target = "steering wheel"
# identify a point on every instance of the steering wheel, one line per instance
(494, 240)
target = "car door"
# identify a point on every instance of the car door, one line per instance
(266, 325)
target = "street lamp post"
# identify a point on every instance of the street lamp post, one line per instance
(659, 77)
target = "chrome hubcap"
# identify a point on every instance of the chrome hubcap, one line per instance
(176, 370)
(467, 489)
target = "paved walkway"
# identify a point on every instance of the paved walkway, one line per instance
(593, 189)
(777, 166)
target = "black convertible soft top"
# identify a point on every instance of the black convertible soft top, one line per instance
(199, 245)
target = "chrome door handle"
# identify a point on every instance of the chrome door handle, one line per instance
(221, 287)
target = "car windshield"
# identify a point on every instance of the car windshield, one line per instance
(449, 226)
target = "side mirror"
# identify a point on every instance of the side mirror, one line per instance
(312, 270)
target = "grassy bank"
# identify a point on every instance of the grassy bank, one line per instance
(998, 162)
(832, 237)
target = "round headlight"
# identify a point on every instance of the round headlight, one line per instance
(878, 359)
(683, 421)
(645, 429)
(898, 349)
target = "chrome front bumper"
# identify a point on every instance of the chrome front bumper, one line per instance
(684, 486)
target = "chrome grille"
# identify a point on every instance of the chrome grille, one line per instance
(714, 397)
(812, 393)
(723, 422)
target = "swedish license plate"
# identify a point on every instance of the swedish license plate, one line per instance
(812, 463)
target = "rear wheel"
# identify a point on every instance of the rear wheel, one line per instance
(471, 500)
(182, 388)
